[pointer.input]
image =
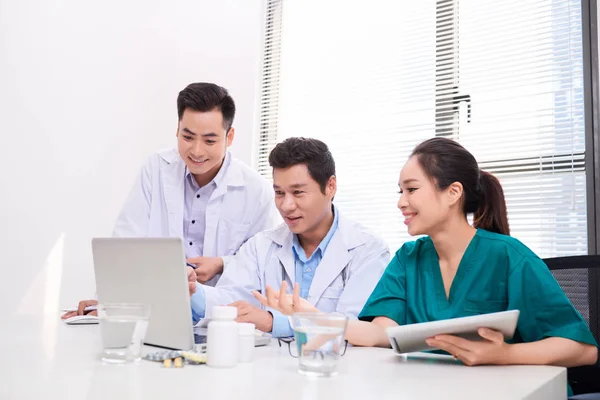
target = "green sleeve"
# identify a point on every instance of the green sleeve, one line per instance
(389, 296)
(545, 310)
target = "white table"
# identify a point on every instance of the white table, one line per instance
(46, 359)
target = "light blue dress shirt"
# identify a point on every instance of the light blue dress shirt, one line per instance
(305, 271)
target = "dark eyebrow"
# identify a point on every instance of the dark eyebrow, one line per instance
(211, 134)
(294, 186)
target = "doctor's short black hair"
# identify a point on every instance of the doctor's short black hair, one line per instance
(311, 152)
(205, 97)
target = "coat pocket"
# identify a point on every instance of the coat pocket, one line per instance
(234, 235)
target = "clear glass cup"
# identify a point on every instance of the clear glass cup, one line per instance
(123, 329)
(319, 340)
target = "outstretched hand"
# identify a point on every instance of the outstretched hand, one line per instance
(284, 302)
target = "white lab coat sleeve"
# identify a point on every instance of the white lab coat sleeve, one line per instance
(240, 277)
(134, 218)
(364, 274)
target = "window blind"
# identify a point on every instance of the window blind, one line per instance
(373, 79)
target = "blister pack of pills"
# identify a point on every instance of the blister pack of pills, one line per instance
(176, 358)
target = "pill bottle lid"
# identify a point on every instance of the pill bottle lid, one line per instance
(224, 313)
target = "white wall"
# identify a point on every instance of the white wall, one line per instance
(87, 91)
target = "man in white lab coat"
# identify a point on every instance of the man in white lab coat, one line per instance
(337, 262)
(199, 192)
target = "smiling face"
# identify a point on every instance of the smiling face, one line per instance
(425, 208)
(202, 143)
(300, 201)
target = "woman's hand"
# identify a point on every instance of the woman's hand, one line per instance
(491, 350)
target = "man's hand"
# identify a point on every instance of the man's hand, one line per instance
(246, 312)
(81, 309)
(207, 267)
(285, 303)
(191, 274)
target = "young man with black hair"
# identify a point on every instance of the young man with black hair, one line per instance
(199, 191)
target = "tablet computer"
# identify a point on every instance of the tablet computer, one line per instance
(411, 338)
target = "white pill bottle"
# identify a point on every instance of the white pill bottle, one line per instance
(246, 341)
(222, 338)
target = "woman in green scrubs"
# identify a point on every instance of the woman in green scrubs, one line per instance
(458, 270)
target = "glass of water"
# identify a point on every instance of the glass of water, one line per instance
(319, 342)
(123, 330)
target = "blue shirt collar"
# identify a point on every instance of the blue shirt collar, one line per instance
(299, 251)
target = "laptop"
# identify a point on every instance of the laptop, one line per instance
(152, 271)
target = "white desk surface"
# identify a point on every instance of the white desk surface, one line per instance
(43, 358)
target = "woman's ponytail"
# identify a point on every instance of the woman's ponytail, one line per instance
(491, 213)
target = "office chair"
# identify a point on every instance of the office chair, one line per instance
(579, 277)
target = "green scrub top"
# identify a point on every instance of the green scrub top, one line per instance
(496, 273)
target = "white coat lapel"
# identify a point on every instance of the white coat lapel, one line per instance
(232, 177)
(284, 253)
(174, 189)
(335, 259)
(212, 216)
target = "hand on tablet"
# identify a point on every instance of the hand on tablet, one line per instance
(492, 350)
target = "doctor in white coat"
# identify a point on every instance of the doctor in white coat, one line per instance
(199, 192)
(337, 262)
